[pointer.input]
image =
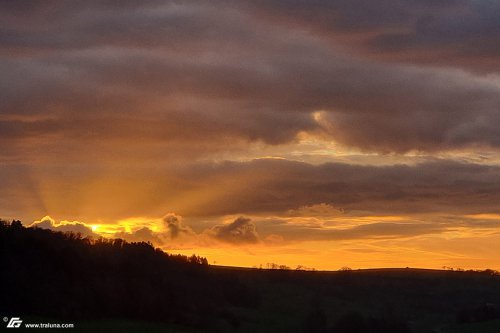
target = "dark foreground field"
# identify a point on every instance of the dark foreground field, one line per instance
(115, 286)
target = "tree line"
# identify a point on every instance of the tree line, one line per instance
(64, 275)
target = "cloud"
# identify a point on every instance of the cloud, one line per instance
(264, 186)
(240, 231)
(267, 186)
(366, 228)
(64, 226)
(139, 231)
(316, 210)
(143, 234)
(110, 111)
(208, 79)
(457, 33)
(176, 227)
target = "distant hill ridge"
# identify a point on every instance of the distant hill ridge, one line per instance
(62, 275)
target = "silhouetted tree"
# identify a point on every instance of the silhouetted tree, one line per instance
(54, 274)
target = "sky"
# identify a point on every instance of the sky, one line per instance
(316, 133)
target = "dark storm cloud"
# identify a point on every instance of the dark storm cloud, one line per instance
(52, 25)
(240, 231)
(105, 108)
(459, 33)
(185, 72)
(277, 186)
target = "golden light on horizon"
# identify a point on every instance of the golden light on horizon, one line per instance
(325, 242)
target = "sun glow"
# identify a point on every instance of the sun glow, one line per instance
(318, 236)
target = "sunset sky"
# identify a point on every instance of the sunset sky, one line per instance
(318, 133)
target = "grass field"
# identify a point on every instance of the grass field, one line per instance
(424, 300)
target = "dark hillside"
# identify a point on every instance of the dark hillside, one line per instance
(58, 275)
(64, 276)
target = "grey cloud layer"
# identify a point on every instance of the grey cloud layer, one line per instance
(185, 74)
(274, 186)
(253, 188)
(460, 33)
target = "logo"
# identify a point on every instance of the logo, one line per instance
(14, 322)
